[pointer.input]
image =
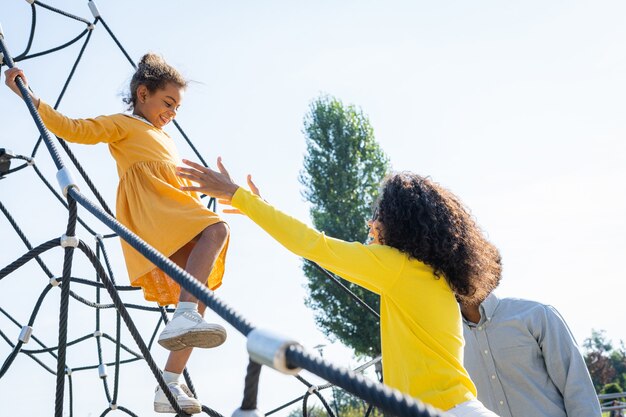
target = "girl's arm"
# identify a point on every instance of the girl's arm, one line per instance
(86, 131)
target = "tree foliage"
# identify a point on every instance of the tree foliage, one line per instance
(342, 170)
(606, 364)
(341, 403)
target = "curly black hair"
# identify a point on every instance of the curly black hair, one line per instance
(153, 72)
(429, 223)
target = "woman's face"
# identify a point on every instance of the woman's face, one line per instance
(374, 234)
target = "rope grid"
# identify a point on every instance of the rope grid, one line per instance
(296, 357)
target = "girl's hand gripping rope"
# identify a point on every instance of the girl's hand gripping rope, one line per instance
(10, 80)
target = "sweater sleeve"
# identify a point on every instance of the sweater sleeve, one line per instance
(375, 267)
(85, 131)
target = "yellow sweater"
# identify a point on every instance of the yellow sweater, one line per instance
(420, 321)
(149, 200)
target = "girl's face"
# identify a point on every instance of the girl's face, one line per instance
(159, 107)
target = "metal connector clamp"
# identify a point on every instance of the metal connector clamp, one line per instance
(248, 413)
(25, 334)
(69, 241)
(268, 348)
(65, 180)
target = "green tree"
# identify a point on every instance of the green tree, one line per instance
(342, 404)
(342, 170)
(606, 364)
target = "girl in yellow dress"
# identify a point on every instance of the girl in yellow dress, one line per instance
(151, 204)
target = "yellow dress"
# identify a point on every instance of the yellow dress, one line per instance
(149, 200)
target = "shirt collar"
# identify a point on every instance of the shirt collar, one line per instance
(143, 119)
(488, 307)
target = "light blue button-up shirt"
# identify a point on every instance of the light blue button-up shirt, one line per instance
(525, 362)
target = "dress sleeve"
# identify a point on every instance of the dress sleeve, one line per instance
(85, 131)
(375, 267)
(566, 366)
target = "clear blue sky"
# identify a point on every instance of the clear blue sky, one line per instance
(516, 107)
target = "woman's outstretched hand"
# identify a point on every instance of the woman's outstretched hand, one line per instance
(213, 183)
(252, 187)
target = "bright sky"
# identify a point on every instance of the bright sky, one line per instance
(516, 107)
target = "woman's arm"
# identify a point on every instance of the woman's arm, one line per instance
(374, 267)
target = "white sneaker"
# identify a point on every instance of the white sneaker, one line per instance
(183, 396)
(189, 329)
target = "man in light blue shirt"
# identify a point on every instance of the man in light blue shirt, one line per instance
(524, 360)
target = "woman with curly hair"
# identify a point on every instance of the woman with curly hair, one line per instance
(426, 252)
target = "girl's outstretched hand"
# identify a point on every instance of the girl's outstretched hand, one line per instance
(212, 183)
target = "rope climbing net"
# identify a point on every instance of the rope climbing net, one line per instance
(264, 347)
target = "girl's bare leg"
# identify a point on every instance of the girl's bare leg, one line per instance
(197, 258)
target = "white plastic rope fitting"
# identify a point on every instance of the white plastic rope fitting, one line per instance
(68, 371)
(65, 180)
(69, 241)
(113, 406)
(313, 389)
(30, 1)
(25, 334)
(248, 413)
(268, 348)
(94, 9)
(102, 370)
(54, 282)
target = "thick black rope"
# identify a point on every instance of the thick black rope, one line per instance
(24, 239)
(31, 36)
(182, 277)
(313, 390)
(31, 108)
(383, 397)
(129, 324)
(64, 308)
(251, 388)
(347, 290)
(296, 356)
(65, 146)
(61, 12)
(58, 48)
(59, 198)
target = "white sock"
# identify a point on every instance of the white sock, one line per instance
(185, 306)
(170, 377)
